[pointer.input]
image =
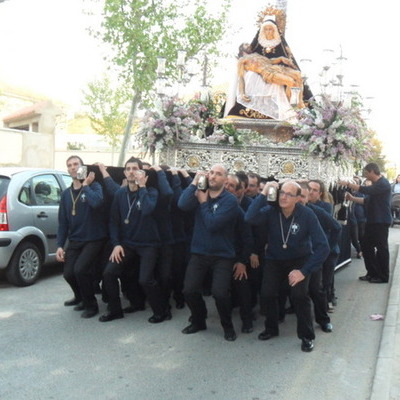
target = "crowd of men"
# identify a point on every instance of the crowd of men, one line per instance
(178, 239)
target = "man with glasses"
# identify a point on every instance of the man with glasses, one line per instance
(296, 247)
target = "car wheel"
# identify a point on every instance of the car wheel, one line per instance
(25, 265)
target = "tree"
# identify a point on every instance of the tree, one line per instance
(139, 31)
(108, 110)
(377, 155)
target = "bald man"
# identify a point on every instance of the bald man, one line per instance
(296, 247)
(212, 248)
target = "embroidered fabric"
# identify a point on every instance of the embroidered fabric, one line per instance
(267, 98)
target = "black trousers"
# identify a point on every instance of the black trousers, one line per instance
(319, 298)
(245, 295)
(375, 248)
(79, 269)
(328, 276)
(180, 258)
(221, 269)
(163, 270)
(274, 275)
(114, 271)
(355, 240)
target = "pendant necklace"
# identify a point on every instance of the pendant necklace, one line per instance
(285, 240)
(130, 205)
(73, 212)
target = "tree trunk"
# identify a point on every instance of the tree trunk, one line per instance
(127, 133)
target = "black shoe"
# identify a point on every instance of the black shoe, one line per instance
(247, 327)
(307, 345)
(156, 319)
(327, 327)
(377, 280)
(192, 328)
(230, 335)
(365, 278)
(132, 309)
(79, 307)
(72, 302)
(90, 312)
(264, 335)
(110, 316)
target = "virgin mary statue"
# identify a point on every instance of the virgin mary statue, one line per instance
(269, 81)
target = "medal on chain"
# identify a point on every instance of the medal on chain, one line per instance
(285, 239)
(130, 205)
(74, 201)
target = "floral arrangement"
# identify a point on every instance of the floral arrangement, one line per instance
(171, 122)
(333, 131)
(174, 121)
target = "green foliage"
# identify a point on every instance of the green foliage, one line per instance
(75, 146)
(108, 110)
(139, 31)
(376, 154)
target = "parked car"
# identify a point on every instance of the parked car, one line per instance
(29, 201)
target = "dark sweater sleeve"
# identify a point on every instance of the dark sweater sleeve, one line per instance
(379, 187)
(148, 199)
(110, 186)
(329, 225)
(256, 214)
(176, 186)
(164, 187)
(320, 247)
(188, 201)
(94, 194)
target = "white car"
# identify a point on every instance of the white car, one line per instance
(29, 201)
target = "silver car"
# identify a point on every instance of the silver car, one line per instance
(29, 201)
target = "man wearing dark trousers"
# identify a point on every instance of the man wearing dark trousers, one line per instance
(81, 222)
(296, 247)
(318, 291)
(374, 244)
(133, 234)
(212, 249)
(241, 286)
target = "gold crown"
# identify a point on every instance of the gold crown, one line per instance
(280, 17)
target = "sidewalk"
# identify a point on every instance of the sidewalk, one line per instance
(386, 383)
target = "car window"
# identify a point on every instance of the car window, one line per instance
(25, 195)
(46, 190)
(67, 180)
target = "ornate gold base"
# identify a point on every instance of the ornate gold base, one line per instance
(276, 131)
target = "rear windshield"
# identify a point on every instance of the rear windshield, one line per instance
(4, 181)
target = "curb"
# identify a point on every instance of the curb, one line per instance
(386, 382)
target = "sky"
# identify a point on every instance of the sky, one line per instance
(44, 46)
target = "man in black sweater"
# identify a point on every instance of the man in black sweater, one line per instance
(374, 244)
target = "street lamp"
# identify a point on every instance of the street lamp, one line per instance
(187, 69)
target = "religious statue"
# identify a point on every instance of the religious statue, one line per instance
(269, 79)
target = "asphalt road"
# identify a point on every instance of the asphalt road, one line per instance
(49, 352)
